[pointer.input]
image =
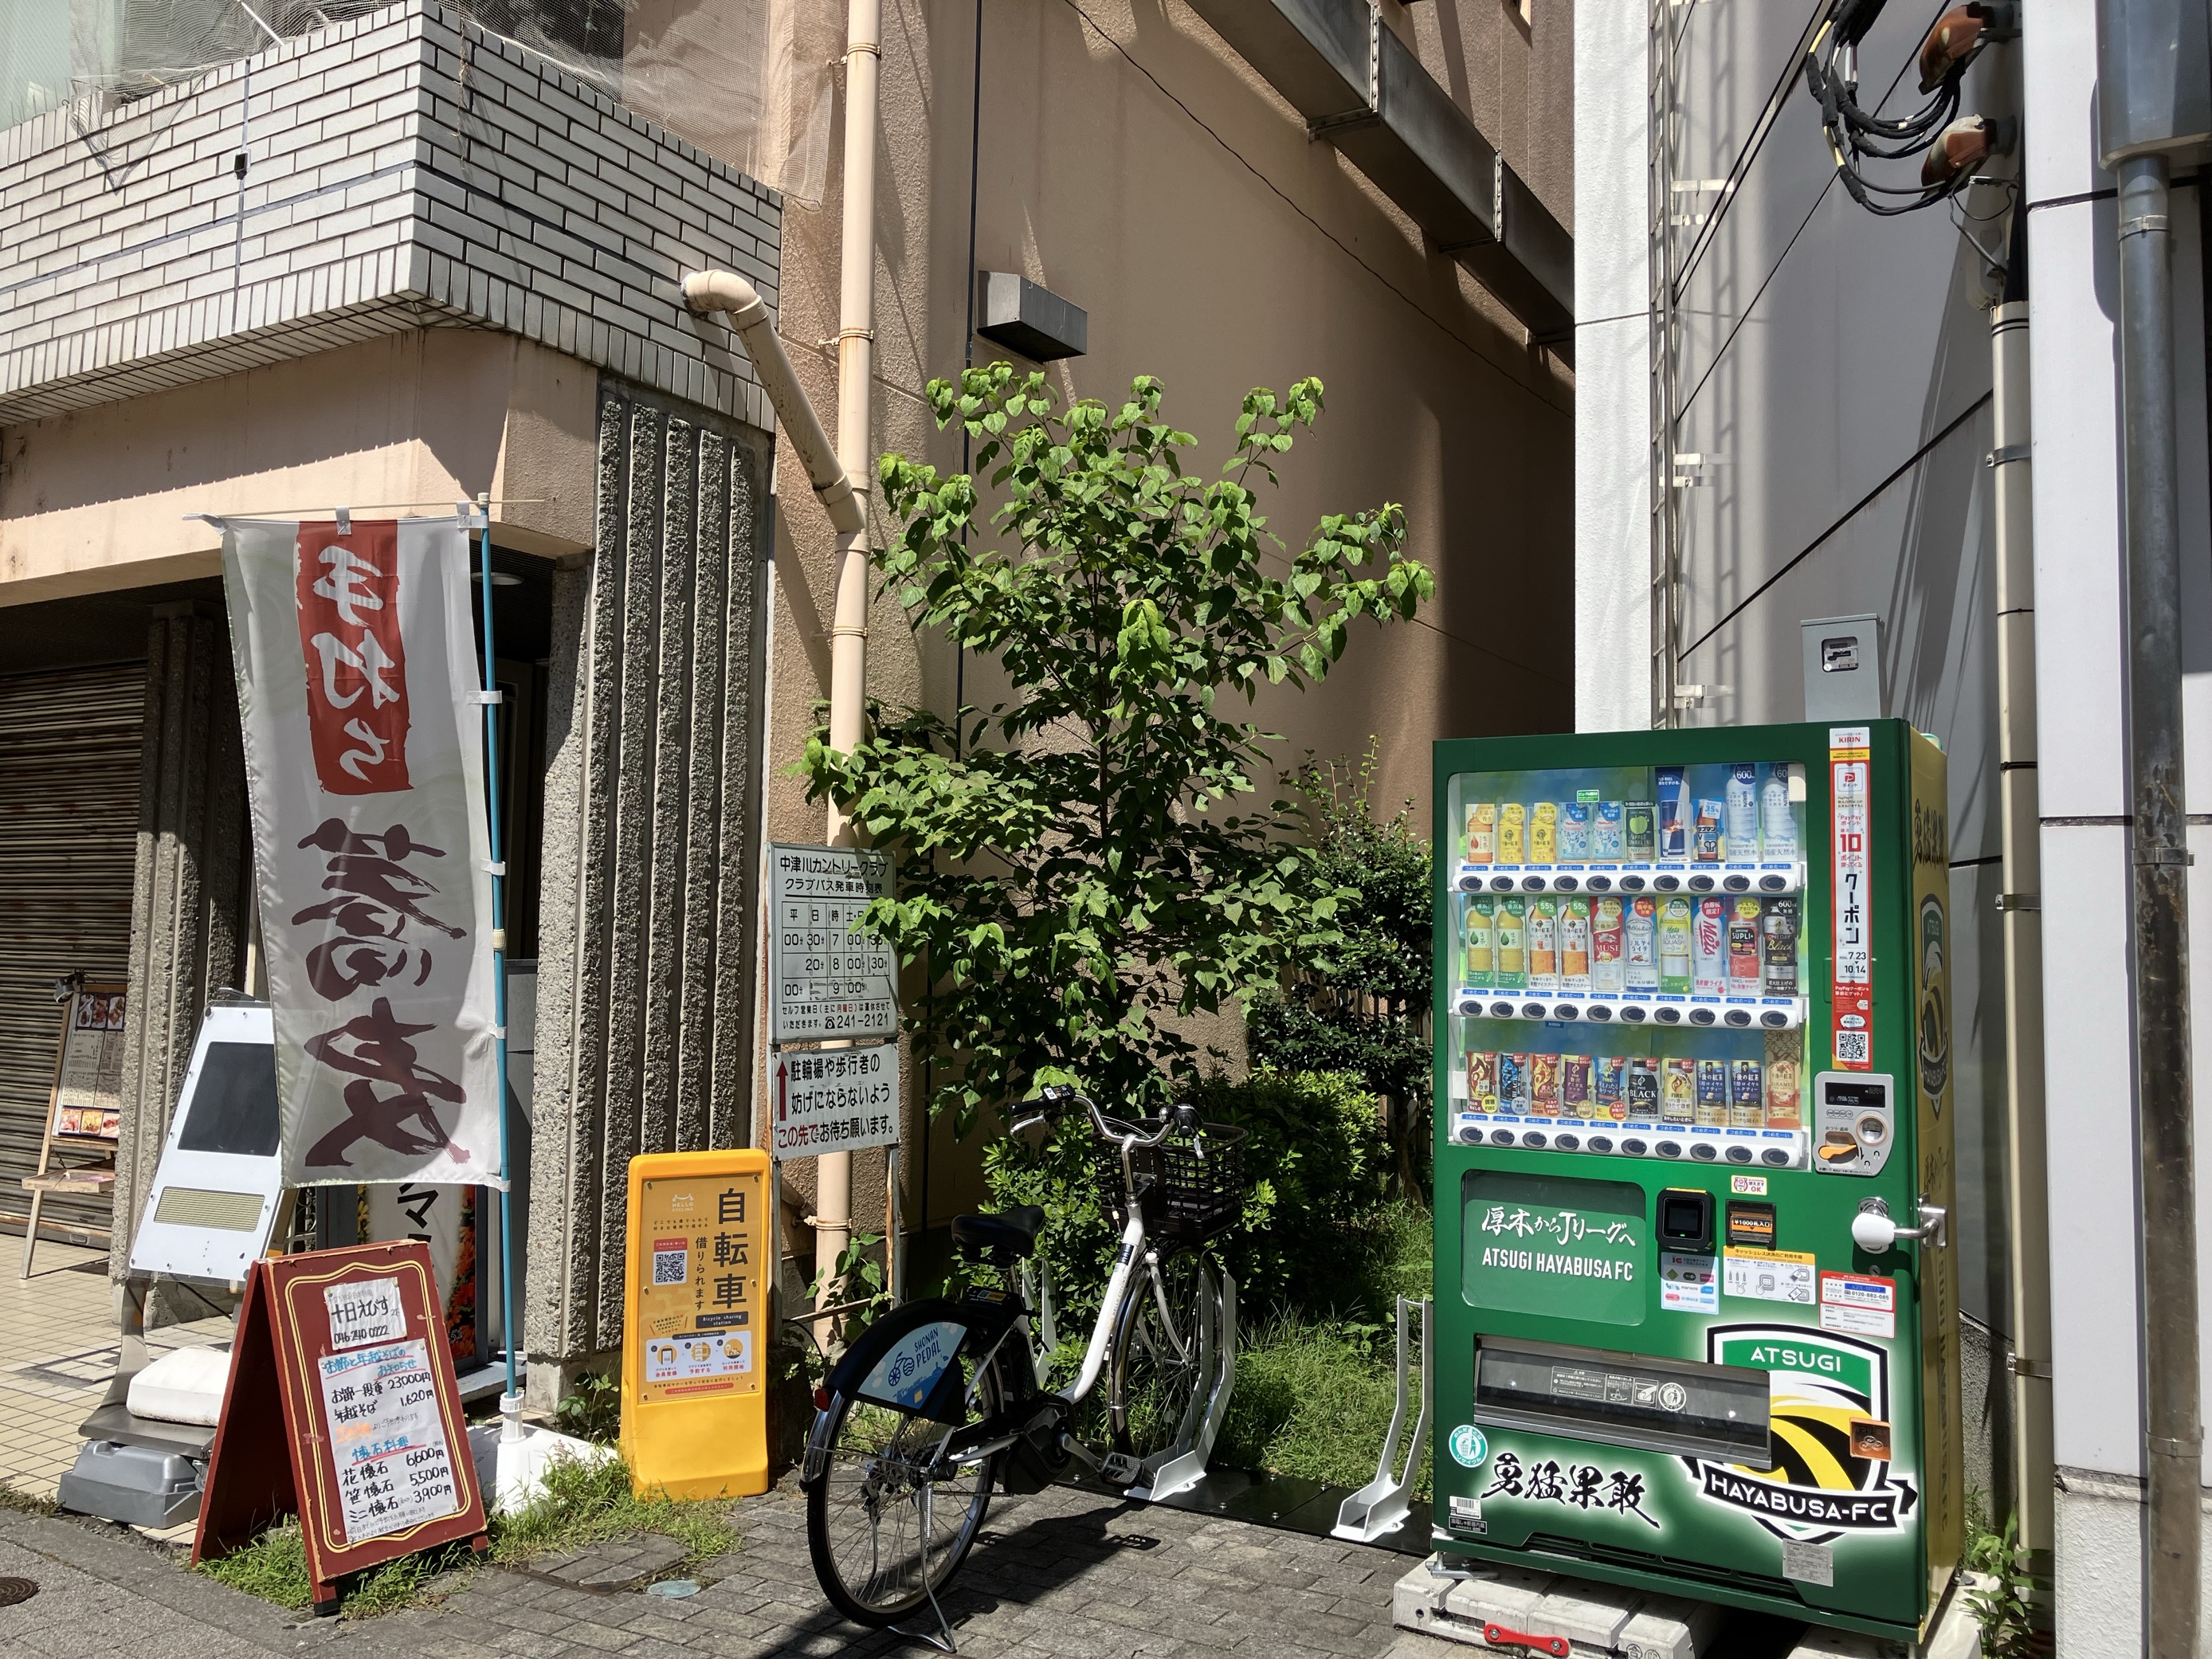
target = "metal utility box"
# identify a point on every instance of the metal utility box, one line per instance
(1693, 1056)
(1842, 667)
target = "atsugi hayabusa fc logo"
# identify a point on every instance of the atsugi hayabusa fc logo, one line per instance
(1821, 1486)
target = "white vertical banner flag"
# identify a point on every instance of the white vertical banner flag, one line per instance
(357, 686)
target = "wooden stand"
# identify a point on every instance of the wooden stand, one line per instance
(339, 1355)
(79, 1182)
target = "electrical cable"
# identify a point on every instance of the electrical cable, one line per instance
(1856, 134)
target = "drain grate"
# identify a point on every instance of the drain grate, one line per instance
(13, 1591)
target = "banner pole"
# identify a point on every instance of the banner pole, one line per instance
(498, 955)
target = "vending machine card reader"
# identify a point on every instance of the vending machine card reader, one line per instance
(1696, 1307)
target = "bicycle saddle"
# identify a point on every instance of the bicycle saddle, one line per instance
(1012, 1230)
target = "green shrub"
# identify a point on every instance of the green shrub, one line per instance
(1316, 1164)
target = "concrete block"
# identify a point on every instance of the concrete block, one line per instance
(1595, 1619)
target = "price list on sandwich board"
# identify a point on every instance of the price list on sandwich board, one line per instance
(832, 979)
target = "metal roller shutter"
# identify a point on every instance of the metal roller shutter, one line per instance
(68, 831)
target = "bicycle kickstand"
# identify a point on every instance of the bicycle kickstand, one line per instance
(941, 1639)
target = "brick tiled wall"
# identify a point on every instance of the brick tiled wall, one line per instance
(404, 170)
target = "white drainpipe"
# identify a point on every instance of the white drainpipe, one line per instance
(842, 481)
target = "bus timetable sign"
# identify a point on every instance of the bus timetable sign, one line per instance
(831, 980)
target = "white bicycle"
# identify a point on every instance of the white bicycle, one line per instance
(939, 1402)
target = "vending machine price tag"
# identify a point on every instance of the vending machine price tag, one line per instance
(1850, 761)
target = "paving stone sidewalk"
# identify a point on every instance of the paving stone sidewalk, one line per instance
(1066, 1573)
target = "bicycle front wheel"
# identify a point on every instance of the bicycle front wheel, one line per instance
(888, 1524)
(1163, 1345)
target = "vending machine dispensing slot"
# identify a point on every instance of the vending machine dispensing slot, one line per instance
(1672, 1405)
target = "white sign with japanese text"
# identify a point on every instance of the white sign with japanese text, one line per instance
(832, 980)
(356, 665)
(1850, 760)
(395, 1468)
(834, 1100)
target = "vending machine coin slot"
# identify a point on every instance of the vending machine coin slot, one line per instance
(1854, 1120)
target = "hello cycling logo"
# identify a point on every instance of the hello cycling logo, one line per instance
(1829, 1417)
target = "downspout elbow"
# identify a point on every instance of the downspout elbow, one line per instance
(708, 291)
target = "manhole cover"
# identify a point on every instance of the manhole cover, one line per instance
(13, 1591)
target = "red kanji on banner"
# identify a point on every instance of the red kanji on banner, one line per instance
(356, 665)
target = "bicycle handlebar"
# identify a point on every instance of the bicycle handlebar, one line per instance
(1057, 1099)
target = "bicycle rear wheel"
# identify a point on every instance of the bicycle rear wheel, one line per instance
(886, 1525)
(1159, 1342)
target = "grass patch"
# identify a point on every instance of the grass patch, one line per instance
(1315, 1385)
(23, 1503)
(582, 1504)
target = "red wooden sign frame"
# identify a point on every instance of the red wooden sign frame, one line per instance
(273, 1453)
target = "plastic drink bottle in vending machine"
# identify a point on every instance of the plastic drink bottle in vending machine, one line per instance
(1481, 934)
(1513, 942)
(1512, 832)
(1642, 937)
(1743, 812)
(1543, 945)
(1574, 832)
(1673, 790)
(1543, 832)
(1707, 846)
(1606, 842)
(1743, 947)
(1575, 946)
(1605, 965)
(1784, 1109)
(1674, 947)
(1709, 930)
(1482, 832)
(1777, 827)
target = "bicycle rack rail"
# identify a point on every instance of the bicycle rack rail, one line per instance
(1381, 1505)
(1182, 1465)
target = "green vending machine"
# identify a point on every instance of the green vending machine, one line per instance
(1696, 1307)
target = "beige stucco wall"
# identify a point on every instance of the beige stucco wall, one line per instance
(97, 500)
(1148, 175)
(1134, 165)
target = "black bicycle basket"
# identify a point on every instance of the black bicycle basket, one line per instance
(1186, 1197)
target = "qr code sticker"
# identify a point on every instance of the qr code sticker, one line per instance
(1850, 1046)
(670, 1263)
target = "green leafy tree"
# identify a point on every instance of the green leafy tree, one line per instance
(1362, 1006)
(1089, 861)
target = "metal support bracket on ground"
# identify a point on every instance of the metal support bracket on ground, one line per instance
(1378, 1508)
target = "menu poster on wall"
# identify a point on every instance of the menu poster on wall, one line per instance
(341, 1407)
(88, 1081)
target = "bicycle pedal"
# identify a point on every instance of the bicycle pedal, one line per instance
(1121, 1469)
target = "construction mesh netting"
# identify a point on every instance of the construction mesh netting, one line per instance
(729, 76)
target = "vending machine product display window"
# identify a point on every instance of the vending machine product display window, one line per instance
(1691, 1017)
